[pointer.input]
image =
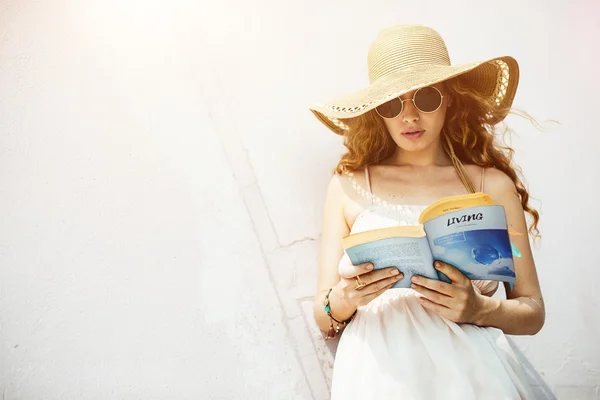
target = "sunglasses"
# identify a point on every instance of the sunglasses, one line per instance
(426, 100)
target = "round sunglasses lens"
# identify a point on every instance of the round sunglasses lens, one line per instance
(428, 99)
(391, 109)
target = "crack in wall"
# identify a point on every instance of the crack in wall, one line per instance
(299, 241)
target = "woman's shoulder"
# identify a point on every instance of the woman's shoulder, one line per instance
(347, 178)
(349, 185)
(499, 185)
(498, 180)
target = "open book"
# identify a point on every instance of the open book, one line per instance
(469, 232)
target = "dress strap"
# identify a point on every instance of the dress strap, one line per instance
(482, 177)
(368, 179)
(459, 167)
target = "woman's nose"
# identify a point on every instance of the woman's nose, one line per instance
(410, 112)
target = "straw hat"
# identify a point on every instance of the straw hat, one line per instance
(404, 58)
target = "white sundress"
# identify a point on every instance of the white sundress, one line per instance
(397, 349)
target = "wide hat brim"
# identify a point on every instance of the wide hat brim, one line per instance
(496, 78)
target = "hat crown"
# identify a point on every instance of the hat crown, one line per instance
(405, 46)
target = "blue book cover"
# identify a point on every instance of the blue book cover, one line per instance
(473, 239)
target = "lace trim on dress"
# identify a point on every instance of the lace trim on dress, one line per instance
(373, 198)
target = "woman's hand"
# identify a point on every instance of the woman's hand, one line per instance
(360, 284)
(458, 301)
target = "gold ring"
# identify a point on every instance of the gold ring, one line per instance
(359, 284)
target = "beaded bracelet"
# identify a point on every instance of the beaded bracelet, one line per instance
(334, 332)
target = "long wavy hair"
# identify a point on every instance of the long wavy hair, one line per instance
(472, 136)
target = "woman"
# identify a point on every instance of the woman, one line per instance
(423, 130)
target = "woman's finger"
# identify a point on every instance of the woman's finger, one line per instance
(377, 275)
(349, 271)
(433, 296)
(370, 297)
(439, 309)
(381, 284)
(451, 272)
(434, 284)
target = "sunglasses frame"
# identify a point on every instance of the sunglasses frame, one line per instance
(415, 104)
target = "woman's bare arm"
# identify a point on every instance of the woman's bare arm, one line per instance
(523, 312)
(334, 227)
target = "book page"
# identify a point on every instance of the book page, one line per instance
(475, 240)
(413, 231)
(454, 203)
(410, 255)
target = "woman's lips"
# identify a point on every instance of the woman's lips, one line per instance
(413, 135)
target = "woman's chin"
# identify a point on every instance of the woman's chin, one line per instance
(413, 145)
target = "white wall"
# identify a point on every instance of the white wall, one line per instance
(161, 181)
